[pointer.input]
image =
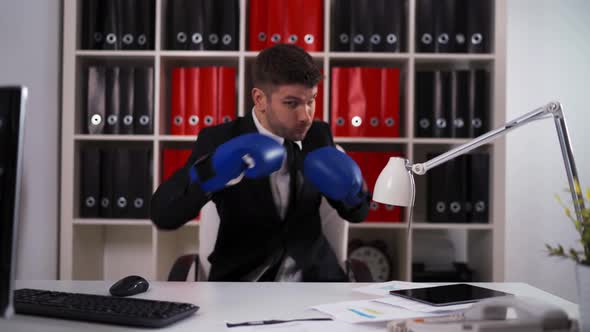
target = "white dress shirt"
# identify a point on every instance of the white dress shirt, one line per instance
(279, 180)
(279, 183)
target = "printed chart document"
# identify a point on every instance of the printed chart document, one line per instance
(312, 326)
(386, 307)
(365, 311)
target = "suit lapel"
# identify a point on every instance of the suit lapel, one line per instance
(258, 189)
(246, 125)
(304, 188)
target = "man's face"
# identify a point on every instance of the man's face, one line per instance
(288, 111)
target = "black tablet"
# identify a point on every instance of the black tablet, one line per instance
(448, 294)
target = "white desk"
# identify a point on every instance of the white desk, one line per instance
(233, 302)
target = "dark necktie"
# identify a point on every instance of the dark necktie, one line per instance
(293, 155)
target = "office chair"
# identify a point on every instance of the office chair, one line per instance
(335, 230)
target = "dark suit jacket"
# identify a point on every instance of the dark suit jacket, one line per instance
(250, 230)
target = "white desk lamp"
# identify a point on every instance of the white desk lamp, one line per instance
(395, 184)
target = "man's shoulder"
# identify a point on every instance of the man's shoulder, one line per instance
(319, 134)
(320, 127)
(222, 132)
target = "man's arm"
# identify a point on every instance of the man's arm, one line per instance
(177, 200)
(211, 168)
(358, 211)
(355, 214)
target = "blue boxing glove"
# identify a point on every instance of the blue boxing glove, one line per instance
(249, 155)
(335, 174)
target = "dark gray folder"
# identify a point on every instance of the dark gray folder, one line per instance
(197, 29)
(361, 25)
(140, 182)
(438, 180)
(112, 25)
(127, 100)
(144, 101)
(425, 33)
(478, 18)
(479, 102)
(178, 37)
(444, 26)
(112, 100)
(107, 176)
(394, 34)
(457, 190)
(479, 187)
(92, 24)
(341, 16)
(459, 104)
(121, 183)
(229, 23)
(210, 15)
(90, 194)
(145, 24)
(460, 19)
(423, 104)
(128, 33)
(441, 104)
(95, 100)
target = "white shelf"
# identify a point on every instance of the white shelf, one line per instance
(450, 141)
(253, 54)
(198, 54)
(424, 225)
(371, 140)
(378, 225)
(138, 138)
(447, 57)
(112, 222)
(368, 56)
(87, 240)
(124, 222)
(115, 54)
(176, 138)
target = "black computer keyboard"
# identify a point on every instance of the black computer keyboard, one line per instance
(98, 308)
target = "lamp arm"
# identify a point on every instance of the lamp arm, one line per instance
(552, 109)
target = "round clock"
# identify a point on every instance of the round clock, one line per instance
(374, 255)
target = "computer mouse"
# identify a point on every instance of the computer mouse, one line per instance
(129, 285)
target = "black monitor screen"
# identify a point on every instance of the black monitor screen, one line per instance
(11, 99)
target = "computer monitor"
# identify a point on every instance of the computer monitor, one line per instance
(12, 114)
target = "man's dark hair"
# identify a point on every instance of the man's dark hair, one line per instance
(285, 64)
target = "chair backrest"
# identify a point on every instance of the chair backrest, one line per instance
(335, 230)
(208, 227)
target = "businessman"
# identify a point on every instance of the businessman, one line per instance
(267, 172)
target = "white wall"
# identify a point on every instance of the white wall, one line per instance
(548, 59)
(30, 47)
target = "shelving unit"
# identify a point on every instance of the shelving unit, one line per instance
(109, 249)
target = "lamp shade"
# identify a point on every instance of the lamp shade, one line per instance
(393, 185)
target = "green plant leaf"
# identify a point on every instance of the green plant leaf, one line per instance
(575, 255)
(577, 187)
(558, 199)
(581, 226)
(578, 226)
